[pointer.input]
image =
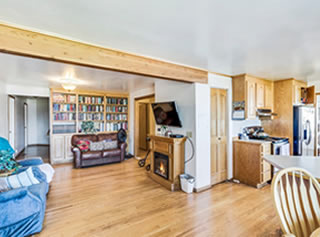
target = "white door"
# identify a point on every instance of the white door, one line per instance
(11, 121)
(25, 114)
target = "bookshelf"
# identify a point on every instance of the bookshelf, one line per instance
(116, 113)
(68, 110)
(91, 108)
(64, 109)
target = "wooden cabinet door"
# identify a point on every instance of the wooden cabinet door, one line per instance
(143, 126)
(67, 145)
(297, 94)
(268, 93)
(58, 148)
(218, 136)
(251, 100)
(260, 95)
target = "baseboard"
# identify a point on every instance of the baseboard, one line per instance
(198, 190)
(38, 145)
(19, 153)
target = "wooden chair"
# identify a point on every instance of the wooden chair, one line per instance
(297, 201)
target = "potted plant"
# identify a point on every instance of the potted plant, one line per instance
(7, 163)
(88, 127)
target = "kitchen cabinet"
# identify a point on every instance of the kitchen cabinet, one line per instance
(60, 151)
(288, 93)
(248, 164)
(255, 92)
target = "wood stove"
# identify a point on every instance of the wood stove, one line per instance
(161, 165)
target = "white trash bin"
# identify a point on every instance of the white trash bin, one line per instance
(187, 183)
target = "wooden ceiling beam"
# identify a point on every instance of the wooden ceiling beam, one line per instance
(24, 42)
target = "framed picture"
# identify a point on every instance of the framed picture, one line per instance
(238, 110)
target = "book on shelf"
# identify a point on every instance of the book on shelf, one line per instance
(118, 101)
(93, 116)
(64, 107)
(117, 109)
(63, 98)
(116, 126)
(64, 116)
(90, 99)
(91, 108)
(116, 117)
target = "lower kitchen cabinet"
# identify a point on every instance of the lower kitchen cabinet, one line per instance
(248, 166)
(60, 149)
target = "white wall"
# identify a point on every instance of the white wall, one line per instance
(184, 96)
(132, 96)
(38, 120)
(3, 110)
(238, 125)
(25, 90)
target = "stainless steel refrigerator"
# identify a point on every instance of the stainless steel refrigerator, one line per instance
(304, 130)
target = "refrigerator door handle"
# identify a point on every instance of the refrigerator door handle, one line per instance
(308, 137)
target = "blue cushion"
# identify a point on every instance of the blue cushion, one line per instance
(5, 145)
(30, 162)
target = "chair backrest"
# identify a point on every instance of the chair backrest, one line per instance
(5, 145)
(296, 197)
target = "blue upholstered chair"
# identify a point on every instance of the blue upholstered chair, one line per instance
(22, 210)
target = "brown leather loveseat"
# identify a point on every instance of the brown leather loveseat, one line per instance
(90, 158)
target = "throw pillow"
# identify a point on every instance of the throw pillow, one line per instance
(109, 145)
(96, 146)
(83, 145)
(23, 179)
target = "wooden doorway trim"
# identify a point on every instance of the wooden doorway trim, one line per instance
(29, 43)
(136, 120)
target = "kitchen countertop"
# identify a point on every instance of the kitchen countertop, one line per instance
(309, 163)
(255, 141)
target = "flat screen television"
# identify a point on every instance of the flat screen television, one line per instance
(165, 113)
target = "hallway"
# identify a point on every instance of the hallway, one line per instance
(36, 151)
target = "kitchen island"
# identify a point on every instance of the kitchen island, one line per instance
(309, 163)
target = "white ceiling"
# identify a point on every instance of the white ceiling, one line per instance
(23, 71)
(274, 38)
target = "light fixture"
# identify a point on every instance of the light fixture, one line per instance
(68, 83)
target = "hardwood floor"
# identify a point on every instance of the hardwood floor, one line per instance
(120, 200)
(35, 150)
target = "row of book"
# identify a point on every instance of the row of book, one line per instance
(63, 98)
(91, 108)
(90, 99)
(91, 116)
(119, 109)
(112, 127)
(64, 116)
(117, 101)
(116, 116)
(64, 107)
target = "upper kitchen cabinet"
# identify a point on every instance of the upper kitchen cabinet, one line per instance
(256, 93)
(302, 94)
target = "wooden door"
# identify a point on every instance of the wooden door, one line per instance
(260, 95)
(143, 126)
(218, 135)
(251, 100)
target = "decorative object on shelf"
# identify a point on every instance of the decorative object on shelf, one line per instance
(163, 130)
(88, 127)
(238, 110)
(7, 164)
